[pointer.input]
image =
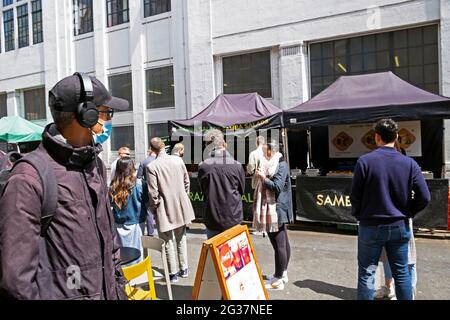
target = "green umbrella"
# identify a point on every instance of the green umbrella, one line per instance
(16, 129)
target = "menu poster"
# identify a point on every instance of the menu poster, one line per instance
(237, 271)
(354, 140)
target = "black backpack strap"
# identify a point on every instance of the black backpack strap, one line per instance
(40, 161)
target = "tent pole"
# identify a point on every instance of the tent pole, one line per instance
(308, 137)
(285, 145)
(443, 168)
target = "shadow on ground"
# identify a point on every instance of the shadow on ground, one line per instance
(179, 292)
(339, 292)
(196, 231)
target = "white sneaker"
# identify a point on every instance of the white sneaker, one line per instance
(284, 278)
(276, 284)
(384, 293)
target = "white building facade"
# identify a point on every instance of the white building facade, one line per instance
(171, 58)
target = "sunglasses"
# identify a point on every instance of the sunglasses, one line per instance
(108, 113)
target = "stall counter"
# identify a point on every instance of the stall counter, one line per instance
(327, 199)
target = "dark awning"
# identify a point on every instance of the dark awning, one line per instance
(237, 114)
(368, 98)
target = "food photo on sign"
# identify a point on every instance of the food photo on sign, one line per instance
(234, 255)
(239, 269)
(352, 141)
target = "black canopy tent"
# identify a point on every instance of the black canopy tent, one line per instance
(366, 99)
(235, 114)
(238, 116)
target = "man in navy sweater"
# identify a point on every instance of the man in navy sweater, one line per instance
(387, 189)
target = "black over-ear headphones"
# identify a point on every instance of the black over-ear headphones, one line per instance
(86, 111)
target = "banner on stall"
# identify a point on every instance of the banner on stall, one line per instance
(354, 140)
(228, 268)
(327, 199)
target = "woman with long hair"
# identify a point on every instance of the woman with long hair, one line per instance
(272, 209)
(128, 199)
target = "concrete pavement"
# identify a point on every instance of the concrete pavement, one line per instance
(323, 266)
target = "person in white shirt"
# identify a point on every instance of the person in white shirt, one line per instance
(255, 159)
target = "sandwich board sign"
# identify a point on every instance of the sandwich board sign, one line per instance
(228, 268)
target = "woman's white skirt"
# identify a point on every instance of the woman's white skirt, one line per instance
(130, 236)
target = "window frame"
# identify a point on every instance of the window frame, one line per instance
(37, 21)
(110, 87)
(23, 30)
(392, 51)
(41, 113)
(6, 4)
(3, 107)
(80, 25)
(132, 145)
(9, 38)
(169, 103)
(165, 124)
(116, 13)
(148, 12)
(270, 69)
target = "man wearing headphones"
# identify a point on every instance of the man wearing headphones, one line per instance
(77, 255)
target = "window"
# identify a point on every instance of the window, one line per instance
(160, 88)
(36, 13)
(82, 17)
(22, 25)
(154, 7)
(158, 130)
(122, 136)
(8, 23)
(7, 2)
(3, 106)
(248, 73)
(121, 86)
(411, 54)
(117, 11)
(34, 104)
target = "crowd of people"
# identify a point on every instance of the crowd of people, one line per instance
(96, 215)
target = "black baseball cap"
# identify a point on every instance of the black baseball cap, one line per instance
(67, 94)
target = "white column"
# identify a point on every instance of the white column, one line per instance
(445, 74)
(51, 18)
(101, 56)
(200, 71)
(12, 103)
(100, 40)
(291, 75)
(137, 47)
(179, 54)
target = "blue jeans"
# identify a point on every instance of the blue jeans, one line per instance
(412, 272)
(371, 240)
(212, 233)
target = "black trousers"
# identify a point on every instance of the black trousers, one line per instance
(280, 244)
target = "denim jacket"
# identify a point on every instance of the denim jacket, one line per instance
(136, 209)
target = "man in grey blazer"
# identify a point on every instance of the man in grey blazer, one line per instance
(168, 187)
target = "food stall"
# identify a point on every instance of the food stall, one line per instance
(241, 117)
(337, 124)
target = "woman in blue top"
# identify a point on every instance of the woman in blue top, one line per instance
(128, 200)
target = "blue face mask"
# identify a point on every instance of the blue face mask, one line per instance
(102, 137)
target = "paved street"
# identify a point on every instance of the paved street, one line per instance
(323, 266)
